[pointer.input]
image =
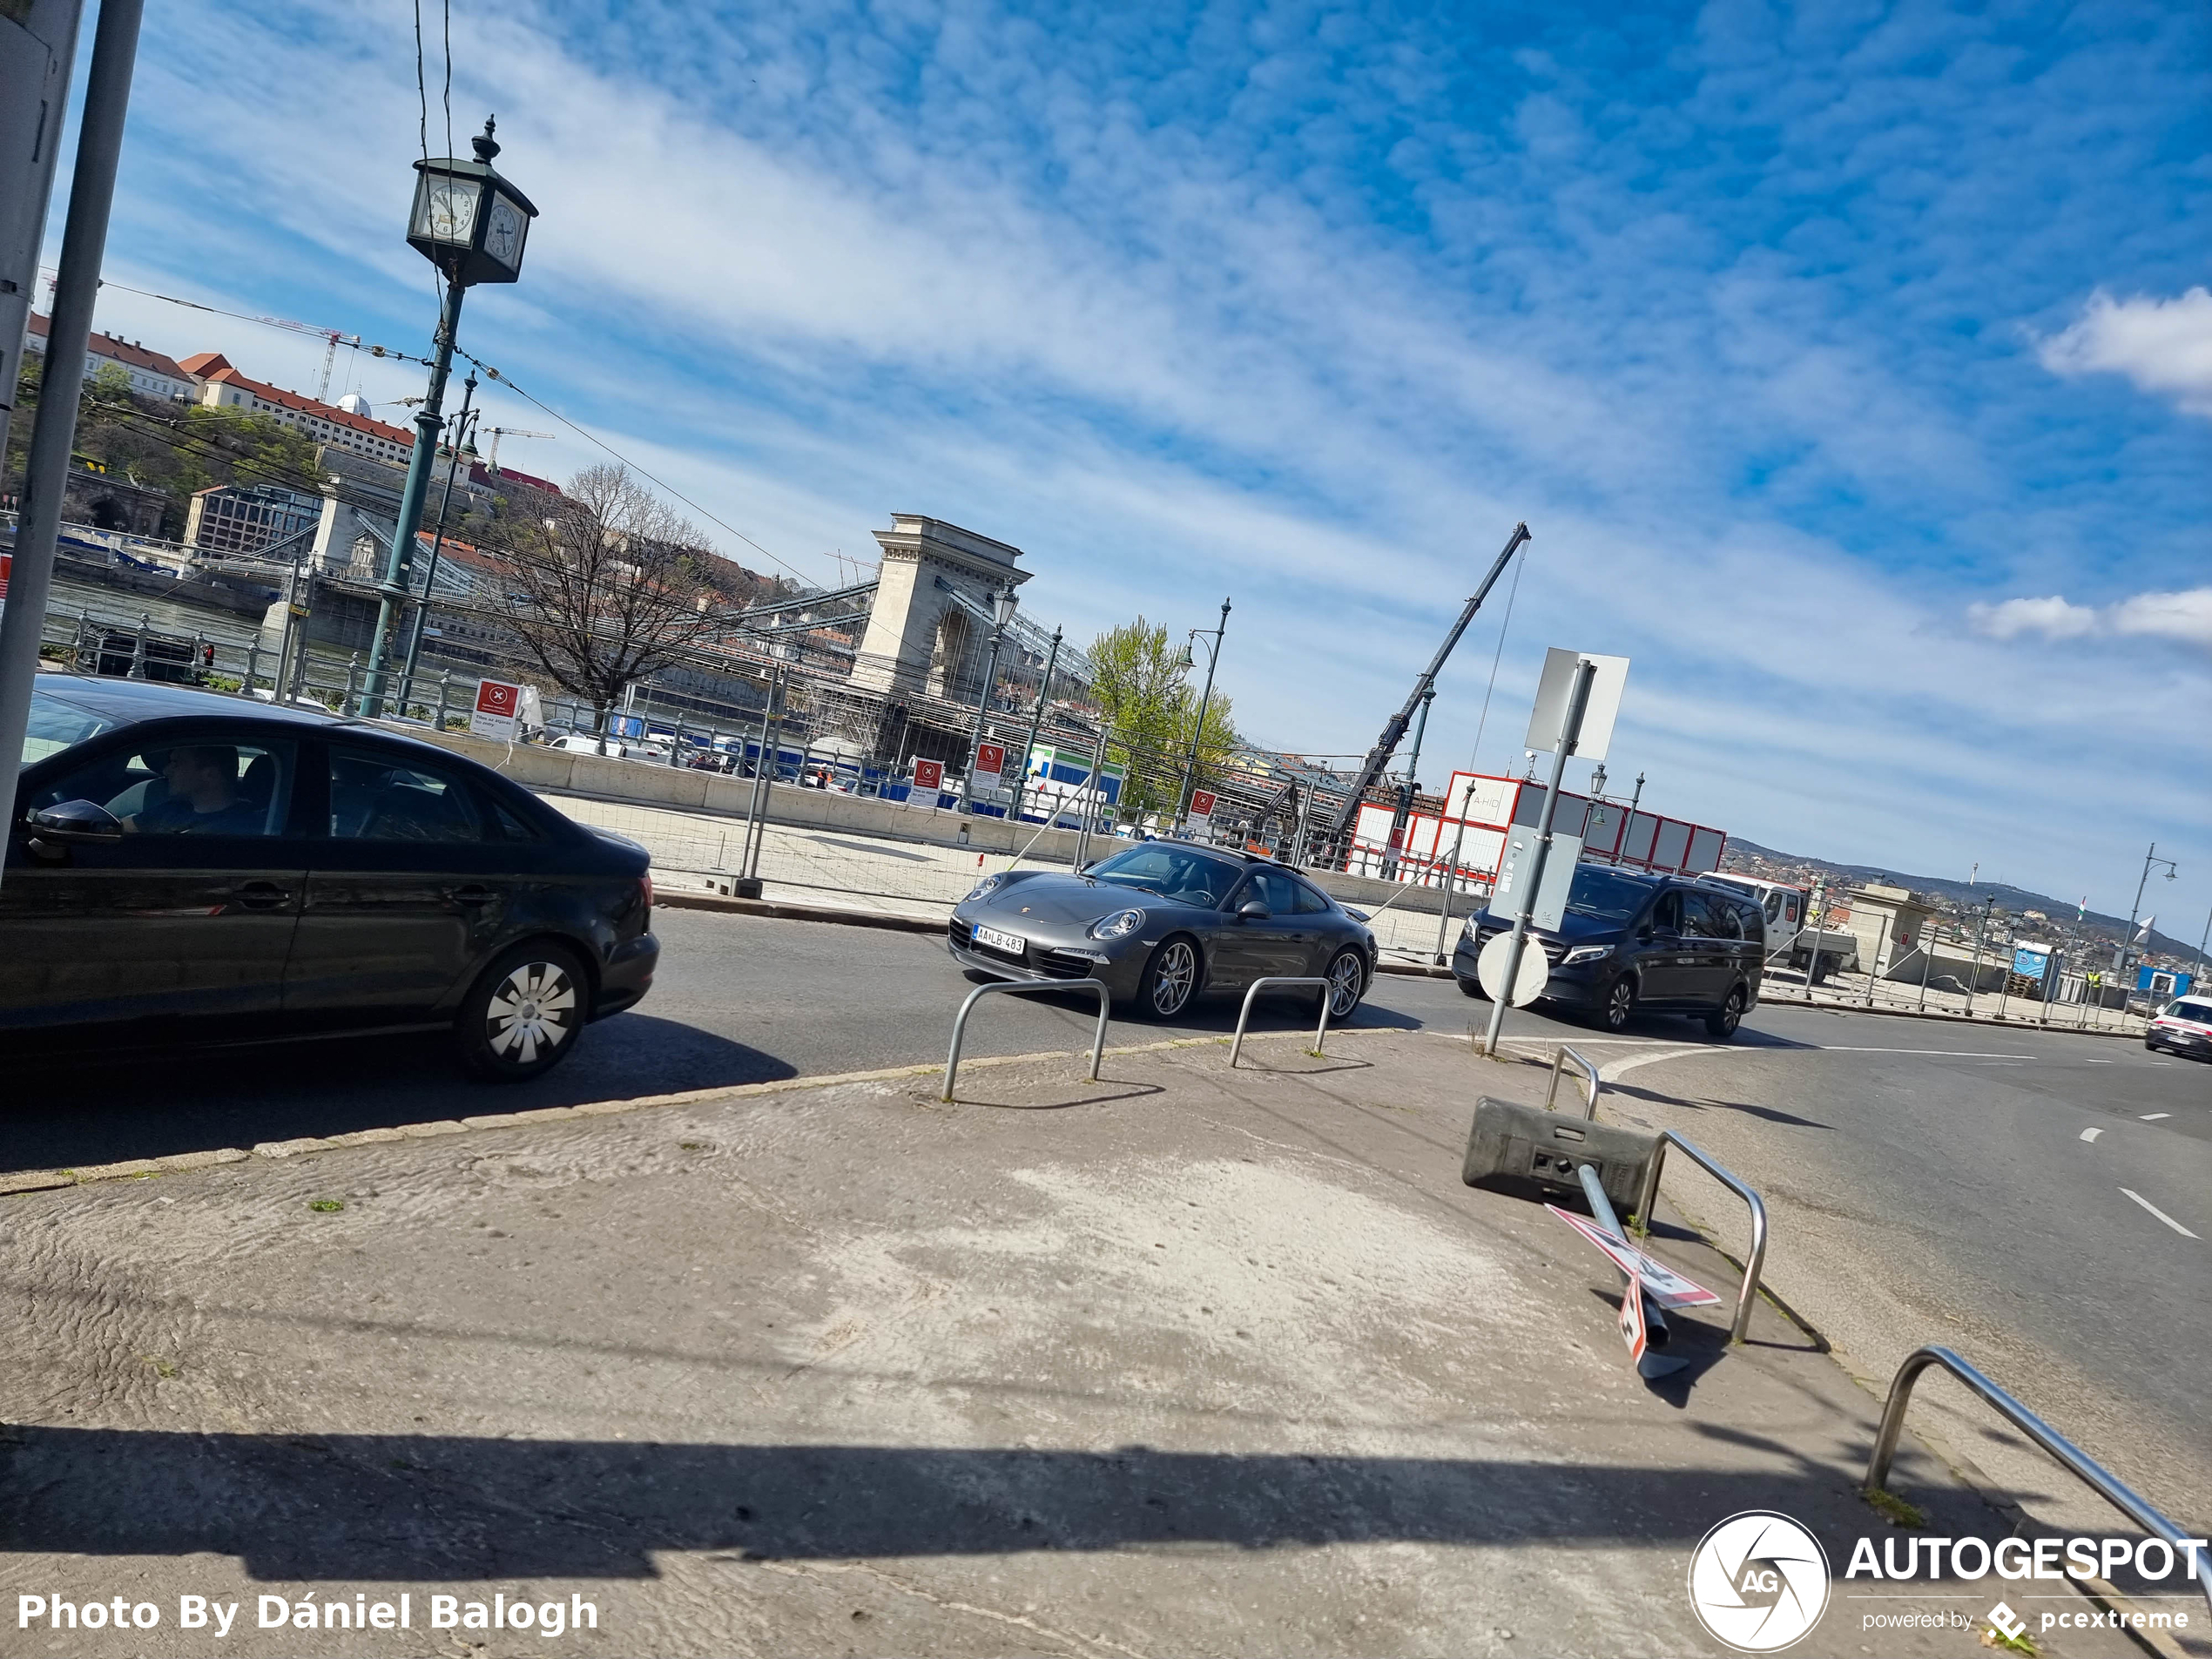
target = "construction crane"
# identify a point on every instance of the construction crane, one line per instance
(491, 462)
(1393, 730)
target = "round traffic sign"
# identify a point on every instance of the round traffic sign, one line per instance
(1528, 984)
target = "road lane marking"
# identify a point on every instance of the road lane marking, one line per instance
(1946, 1054)
(2152, 1117)
(2091, 1134)
(2161, 1214)
(2099, 1063)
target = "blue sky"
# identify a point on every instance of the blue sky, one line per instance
(1851, 364)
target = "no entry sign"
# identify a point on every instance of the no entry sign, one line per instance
(498, 706)
(929, 774)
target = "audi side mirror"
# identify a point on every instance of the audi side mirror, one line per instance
(77, 820)
(1253, 911)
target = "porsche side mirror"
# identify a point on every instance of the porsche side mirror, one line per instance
(77, 820)
(1254, 911)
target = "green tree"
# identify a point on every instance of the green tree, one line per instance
(1145, 693)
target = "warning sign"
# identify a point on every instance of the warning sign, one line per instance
(1634, 1332)
(1668, 1288)
(990, 757)
(1202, 803)
(499, 706)
(929, 774)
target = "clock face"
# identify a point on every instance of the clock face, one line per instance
(503, 232)
(450, 212)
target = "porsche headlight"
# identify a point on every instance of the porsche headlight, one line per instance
(1120, 925)
(988, 885)
(1585, 953)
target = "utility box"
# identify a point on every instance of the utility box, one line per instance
(1535, 1154)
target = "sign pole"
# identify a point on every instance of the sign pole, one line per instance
(1570, 728)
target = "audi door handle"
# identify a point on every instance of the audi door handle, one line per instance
(262, 895)
(472, 894)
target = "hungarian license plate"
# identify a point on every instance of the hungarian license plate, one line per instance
(1012, 944)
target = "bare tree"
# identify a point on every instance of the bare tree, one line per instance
(607, 588)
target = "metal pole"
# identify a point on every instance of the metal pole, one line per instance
(1874, 968)
(428, 422)
(1213, 661)
(91, 192)
(1927, 956)
(1570, 728)
(1044, 690)
(1452, 876)
(438, 541)
(763, 777)
(982, 708)
(2120, 951)
(1973, 973)
(1405, 812)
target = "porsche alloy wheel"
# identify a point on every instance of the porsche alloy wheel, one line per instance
(1171, 980)
(1347, 977)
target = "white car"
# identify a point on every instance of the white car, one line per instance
(2185, 1028)
(588, 742)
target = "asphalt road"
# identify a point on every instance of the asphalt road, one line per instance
(1928, 1181)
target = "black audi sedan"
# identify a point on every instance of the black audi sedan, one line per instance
(1630, 940)
(186, 867)
(1162, 923)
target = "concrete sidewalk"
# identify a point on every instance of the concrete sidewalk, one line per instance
(1185, 1361)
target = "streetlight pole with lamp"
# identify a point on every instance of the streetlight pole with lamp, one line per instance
(2120, 951)
(462, 424)
(471, 224)
(1198, 731)
(1002, 604)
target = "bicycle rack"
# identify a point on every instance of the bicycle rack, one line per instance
(2092, 1474)
(1589, 1073)
(1321, 1032)
(1739, 1328)
(960, 1020)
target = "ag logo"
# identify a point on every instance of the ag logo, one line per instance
(1758, 1581)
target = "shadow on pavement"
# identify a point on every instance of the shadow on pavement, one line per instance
(445, 1508)
(1708, 1103)
(85, 1112)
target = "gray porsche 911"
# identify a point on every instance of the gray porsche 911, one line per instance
(1162, 923)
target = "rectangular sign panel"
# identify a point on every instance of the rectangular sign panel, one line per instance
(1598, 713)
(1559, 874)
(1668, 1288)
(498, 706)
(1202, 803)
(929, 774)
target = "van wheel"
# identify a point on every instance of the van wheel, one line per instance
(1723, 1020)
(1619, 1003)
(1471, 987)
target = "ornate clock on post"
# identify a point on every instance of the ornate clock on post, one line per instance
(471, 224)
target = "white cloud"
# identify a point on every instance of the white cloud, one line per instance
(2163, 346)
(2053, 617)
(2186, 615)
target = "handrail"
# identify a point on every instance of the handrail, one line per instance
(2092, 1473)
(1321, 1032)
(1560, 1058)
(1739, 1328)
(960, 1020)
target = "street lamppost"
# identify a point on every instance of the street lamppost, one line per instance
(471, 224)
(1213, 660)
(1002, 604)
(461, 425)
(2120, 951)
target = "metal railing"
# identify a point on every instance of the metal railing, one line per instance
(1276, 982)
(1754, 1259)
(2091, 1472)
(960, 1020)
(1589, 1074)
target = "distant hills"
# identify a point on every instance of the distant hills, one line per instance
(1959, 894)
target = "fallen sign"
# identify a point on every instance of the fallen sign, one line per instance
(1664, 1285)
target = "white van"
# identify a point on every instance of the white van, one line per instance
(1788, 938)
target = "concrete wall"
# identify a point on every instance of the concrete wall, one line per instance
(642, 783)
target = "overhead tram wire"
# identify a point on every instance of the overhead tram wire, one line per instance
(591, 438)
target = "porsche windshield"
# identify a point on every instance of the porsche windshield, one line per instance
(1172, 871)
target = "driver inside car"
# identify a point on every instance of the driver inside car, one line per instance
(202, 798)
